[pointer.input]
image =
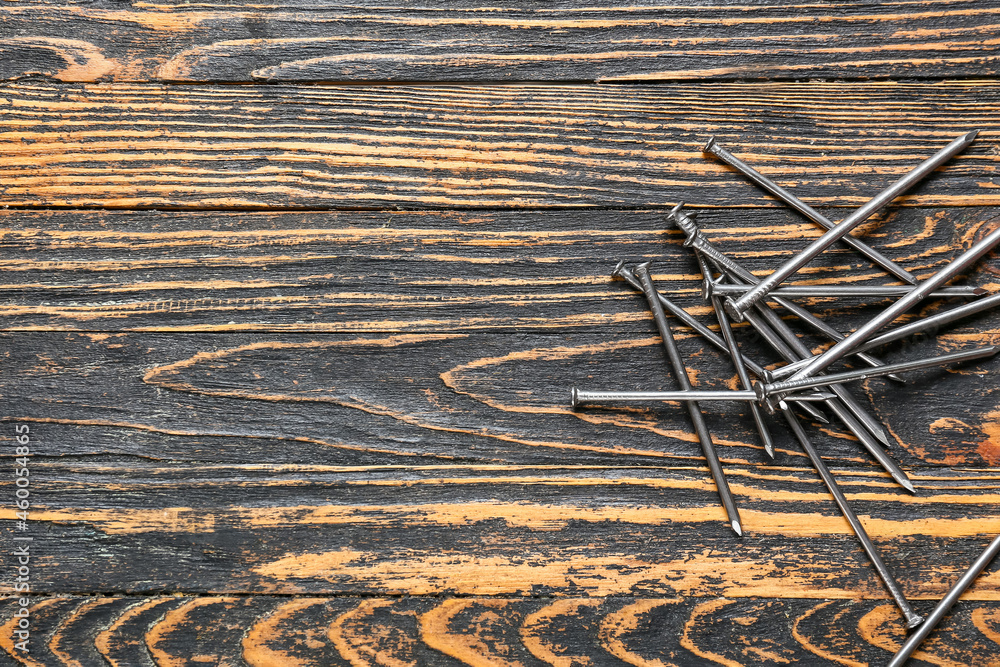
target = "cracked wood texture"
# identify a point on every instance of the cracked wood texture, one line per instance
(294, 294)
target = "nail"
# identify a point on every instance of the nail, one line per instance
(808, 211)
(580, 397)
(741, 371)
(736, 307)
(785, 352)
(697, 418)
(867, 440)
(798, 350)
(840, 291)
(737, 273)
(767, 392)
(946, 603)
(933, 322)
(734, 353)
(912, 618)
(865, 331)
(620, 271)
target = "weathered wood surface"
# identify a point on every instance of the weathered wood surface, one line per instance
(104, 524)
(425, 271)
(467, 41)
(297, 425)
(440, 398)
(265, 631)
(151, 146)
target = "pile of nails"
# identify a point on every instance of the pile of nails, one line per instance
(803, 383)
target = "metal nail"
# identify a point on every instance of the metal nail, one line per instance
(865, 331)
(736, 272)
(621, 271)
(580, 397)
(808, 211)
(912, 618)
(932, 322)
(798, 350)
(697, 418)
(768, 392)
(946, 603)
(741, 372)
(839, 291)
(736, 307)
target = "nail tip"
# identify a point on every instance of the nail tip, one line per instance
(737, 528)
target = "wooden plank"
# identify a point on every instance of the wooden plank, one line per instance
(432, 272)
(477, 631)
(434, 399)
(149, 146)
(308, 529)
(465, 41)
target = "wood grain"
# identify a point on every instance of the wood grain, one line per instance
(562, 632)
(431, 272)
(316, 413)
(437, 399)
(465, 41)
(101, 524)
(149, 146)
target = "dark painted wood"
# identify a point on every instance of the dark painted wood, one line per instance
(357, 272)
(437, 398)
(432, 147)
(609, 632)
(103, 524)
(467, 41)
(334, 436)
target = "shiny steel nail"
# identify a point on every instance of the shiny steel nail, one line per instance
(912, 618)
(700, 427)
(932, 322)
(621, 271)
(799, 350)
(767, 392)
(839, 291)
(741, 371)
(808, 211)
(946, 603)
(865, 331)
(580, 397)
(736, 307)
(696, 239)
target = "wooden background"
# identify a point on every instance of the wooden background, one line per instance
(293, 296)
